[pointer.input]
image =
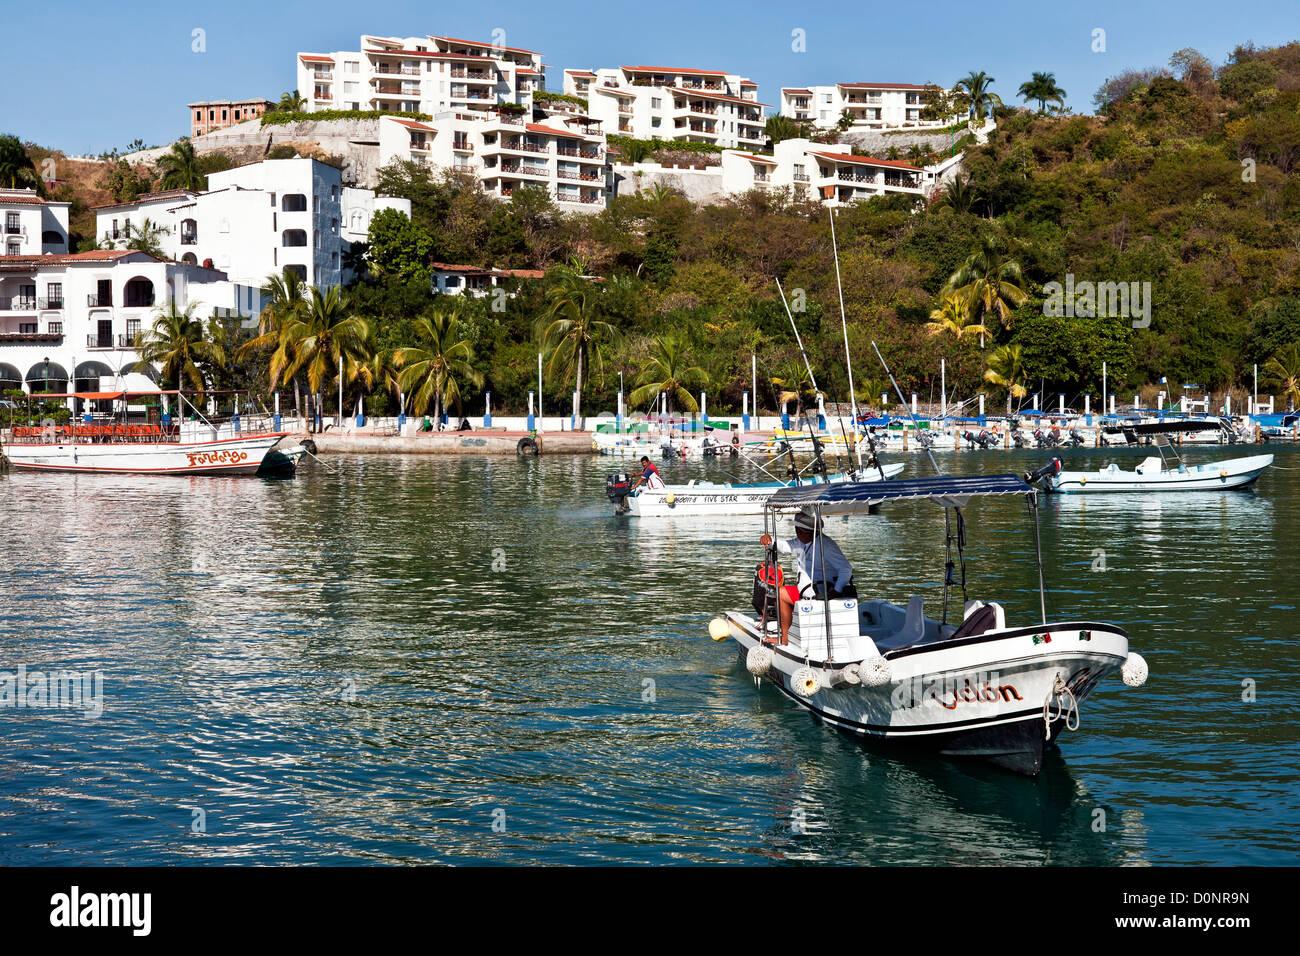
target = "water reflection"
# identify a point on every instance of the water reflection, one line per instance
(367, 666)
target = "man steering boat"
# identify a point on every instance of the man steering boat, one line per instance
(824, 571)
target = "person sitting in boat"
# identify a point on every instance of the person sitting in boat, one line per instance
(649, 476)
(824, 572)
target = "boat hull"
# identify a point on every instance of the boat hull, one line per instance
(707, 498)
(1214, 476)
(232, 456)
(970, 697)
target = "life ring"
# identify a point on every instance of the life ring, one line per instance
(527, 446)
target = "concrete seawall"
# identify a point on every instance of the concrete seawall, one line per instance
(448, 443)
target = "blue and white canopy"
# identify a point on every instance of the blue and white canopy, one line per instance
(848, 497)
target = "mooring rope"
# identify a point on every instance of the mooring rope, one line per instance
(1067, 709)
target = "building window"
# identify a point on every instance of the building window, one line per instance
(299, 271)
(212, 115)
(13, 249)
(11, 223)
(198, 116)
(656, 103)
(334, 194)
(294, 237)
(26, 328)
(54, 295)
(294, 202)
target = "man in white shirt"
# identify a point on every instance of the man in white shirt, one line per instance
(824, 572)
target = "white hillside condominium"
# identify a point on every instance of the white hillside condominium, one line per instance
(72, 318)
(425, 74)
(644, 102)
(559, 152)
(824, 173)
(256, 220)
(872, 105)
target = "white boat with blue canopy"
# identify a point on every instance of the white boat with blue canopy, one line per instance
(961, 680)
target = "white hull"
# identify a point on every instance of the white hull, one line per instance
(707, 498)
(1150, 476)
(975, 696)
(233, 456)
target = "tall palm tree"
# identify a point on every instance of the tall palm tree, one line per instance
(147, 238)
(1042, 87)
(181, 345)
(667, 371)
(315, 339)
(431, 371)
(635, 151)
(954, 315)
(571, 331)
(990, 282)
(17, 171)
(284, 299)
(1283, 369)
(180, 167)
(1006, 369)
(976, 87)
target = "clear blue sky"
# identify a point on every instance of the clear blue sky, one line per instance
(87, 76)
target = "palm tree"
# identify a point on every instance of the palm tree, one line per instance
(846, 120)
(284, 300)
(779, 127)
(635, 151)
(1283, 368)
(976, 87)
(794, 383)
(180, 344)
(666, 371)
(315, 339)
(1042, 87)
(893, 152)
(17, 171)
(1006, 370)
(180, 168)
(959, 194)
(290, 102)
(990, 282)
(147, 238)
(570, 330)
(430, 371)
(954, 315)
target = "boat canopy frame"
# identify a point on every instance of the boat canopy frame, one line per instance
(952, 493)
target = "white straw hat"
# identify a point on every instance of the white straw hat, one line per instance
(807, 521)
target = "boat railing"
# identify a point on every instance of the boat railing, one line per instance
(93, 433)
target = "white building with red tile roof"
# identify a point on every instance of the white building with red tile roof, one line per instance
(72, 319)
(561, 151)
(826, 174)
(422, 74)
(871, 105)
(673, 103)
(33, 225)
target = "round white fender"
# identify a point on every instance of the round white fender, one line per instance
(719, 629)
(758, 661)
(875, 671)
(1134, 670)
(805, 682)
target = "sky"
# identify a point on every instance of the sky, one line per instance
(91, 76)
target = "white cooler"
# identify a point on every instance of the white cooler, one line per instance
(808, 628)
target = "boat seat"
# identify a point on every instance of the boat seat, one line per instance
(912, 630)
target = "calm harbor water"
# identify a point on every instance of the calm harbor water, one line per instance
(426, 659)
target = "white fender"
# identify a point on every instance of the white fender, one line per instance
(719, 629)
(758, 661)
(875, 671)
(805, 682)
(1133, 671)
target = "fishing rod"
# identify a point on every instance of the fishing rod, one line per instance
(844, 324)
(906, 407)
(817, 450)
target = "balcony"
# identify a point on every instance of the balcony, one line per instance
(762, 178)
(592, 153)
(55, 302)
(12, 229)
(52, 337)
(583, 177)
(395, 70)
(95, 300)
(189, 238)
(849, 176)
(518, 146)
(462, 146)
(901, 182)
(625, 110)
(585, 200)
(323, 97)
(510, 119)
(94, 341)
(460, 73)
(801, 178)
(524, 169)
(18, 303)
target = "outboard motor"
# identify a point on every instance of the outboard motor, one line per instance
(1075, 437)
(1047, 473)
(617, 488)
(989, 439)
(971, 440)
(926, 440)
